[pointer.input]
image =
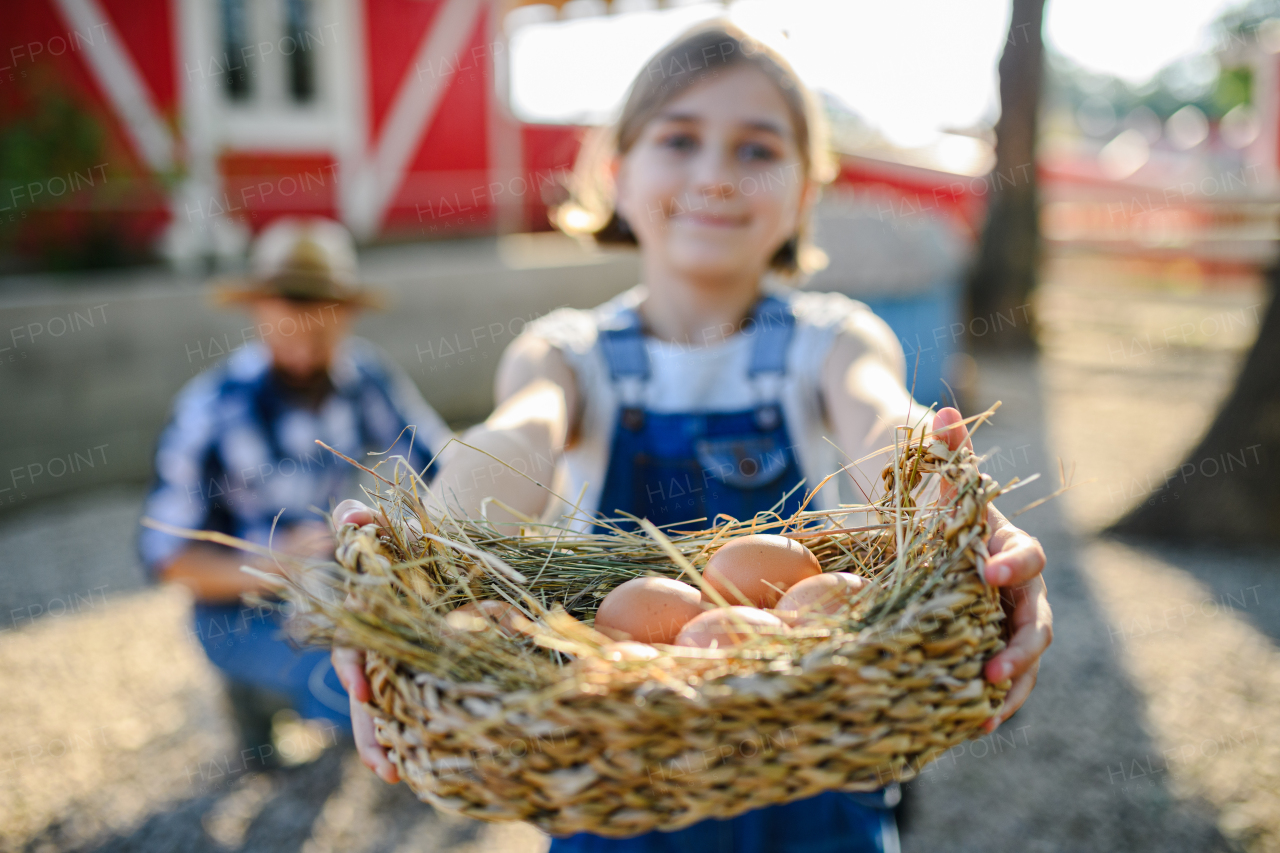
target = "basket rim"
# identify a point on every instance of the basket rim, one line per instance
(966, 549)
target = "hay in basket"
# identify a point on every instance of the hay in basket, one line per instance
(538, 725)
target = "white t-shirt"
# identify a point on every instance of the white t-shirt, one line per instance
(711, 378)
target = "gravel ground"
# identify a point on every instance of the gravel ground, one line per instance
(1155, 726)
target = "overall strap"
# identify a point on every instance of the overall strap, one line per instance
(775, 326)
(622, 342)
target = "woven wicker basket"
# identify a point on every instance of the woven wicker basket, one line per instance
(621, 748)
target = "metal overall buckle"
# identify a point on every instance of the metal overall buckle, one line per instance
(633, 418)
(768, 416)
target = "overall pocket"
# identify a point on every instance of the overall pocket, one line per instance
(748, 462)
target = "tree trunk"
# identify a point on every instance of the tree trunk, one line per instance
(1004, 272)
(1228, 489)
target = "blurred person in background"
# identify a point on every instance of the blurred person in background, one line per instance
(240, 450)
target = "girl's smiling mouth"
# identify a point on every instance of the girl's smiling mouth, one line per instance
(704, 219)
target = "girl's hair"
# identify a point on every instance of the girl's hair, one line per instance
(701, 53)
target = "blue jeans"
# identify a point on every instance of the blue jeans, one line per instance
(249, 647)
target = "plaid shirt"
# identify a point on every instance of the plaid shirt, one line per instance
(238, 449)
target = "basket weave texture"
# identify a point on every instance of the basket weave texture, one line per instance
(618, 748)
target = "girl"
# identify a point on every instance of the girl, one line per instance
(706, 390)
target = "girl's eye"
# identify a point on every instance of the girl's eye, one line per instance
(680, 142)
(756, 152)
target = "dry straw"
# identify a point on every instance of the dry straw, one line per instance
(537, 724)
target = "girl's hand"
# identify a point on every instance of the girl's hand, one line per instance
(1015, 565)
(355, 512)
(349, 664)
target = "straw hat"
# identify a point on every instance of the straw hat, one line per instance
(303, 258)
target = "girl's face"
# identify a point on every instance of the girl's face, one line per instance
(715, 183)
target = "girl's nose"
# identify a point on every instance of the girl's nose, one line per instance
(713, 175)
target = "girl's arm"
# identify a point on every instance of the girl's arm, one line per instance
(521, 441)
(537, 411)
(537, 396)
(865, 398)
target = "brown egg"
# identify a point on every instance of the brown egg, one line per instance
(728, 626)
(762, 566)
(824, 594)
(481, 615)
(628, 651)
(651, 610)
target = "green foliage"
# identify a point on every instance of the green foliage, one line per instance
(56, 138)
(1216, 82)
(1234, 87)
(1067, 85)
(54, 148)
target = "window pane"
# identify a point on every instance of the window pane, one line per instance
(298, 45)
(235, 48)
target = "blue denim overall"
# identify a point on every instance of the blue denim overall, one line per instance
(673, 468)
